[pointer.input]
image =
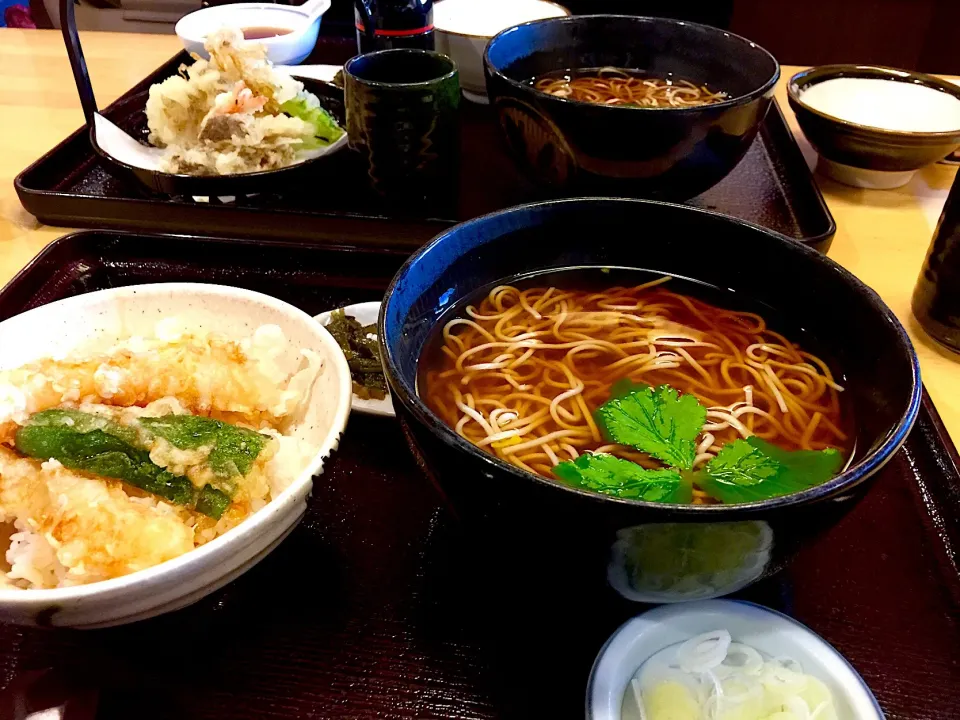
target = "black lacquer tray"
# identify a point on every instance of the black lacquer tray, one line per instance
(771, 187)
(372, 607)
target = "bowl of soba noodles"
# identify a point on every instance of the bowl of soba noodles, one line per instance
(642, 106)
(643, 397)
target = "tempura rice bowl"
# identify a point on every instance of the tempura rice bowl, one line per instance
(97, 322)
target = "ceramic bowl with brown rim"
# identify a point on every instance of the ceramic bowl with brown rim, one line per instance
(855, 137)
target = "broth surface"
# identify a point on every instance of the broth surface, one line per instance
(520, 368)
(624, 86)
(262, 33)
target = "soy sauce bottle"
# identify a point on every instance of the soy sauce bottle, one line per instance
(936, 297)
(388, 24)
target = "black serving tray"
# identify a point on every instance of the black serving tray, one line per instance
(772, 187)
(372, 607)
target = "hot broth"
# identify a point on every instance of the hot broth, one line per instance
(527, 369)
(621, 86)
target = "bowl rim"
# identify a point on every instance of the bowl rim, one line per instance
(240, 7)
(251, 526)
(726, 606)
(737, 100)
(851, 476)
(821, 73)
(565, 13)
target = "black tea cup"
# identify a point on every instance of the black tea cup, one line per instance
(402, 118)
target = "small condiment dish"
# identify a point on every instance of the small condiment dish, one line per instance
(366, 314)
(861, 155)
(766, 630)
(97, 321)
(291, 48)
(464, 27)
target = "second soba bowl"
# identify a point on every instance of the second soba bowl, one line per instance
(644, 544)
(673, 152)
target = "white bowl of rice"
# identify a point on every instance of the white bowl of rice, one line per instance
(86, 550)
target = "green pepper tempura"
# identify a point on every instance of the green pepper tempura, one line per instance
(205, 481)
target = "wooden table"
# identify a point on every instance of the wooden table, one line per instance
(882, 235)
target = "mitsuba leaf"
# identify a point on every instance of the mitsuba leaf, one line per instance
(624, 386)
(754, 469)
(613, 476)
(658, 421)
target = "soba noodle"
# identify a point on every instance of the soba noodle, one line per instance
(614, 86)
(522, 373)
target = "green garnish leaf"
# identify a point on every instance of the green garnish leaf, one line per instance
(624, 386)
(234, 449)
(324, 127)
(754, 469)
(611, 475)
(658, 421)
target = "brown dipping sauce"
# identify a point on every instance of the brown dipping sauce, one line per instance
(261, 33)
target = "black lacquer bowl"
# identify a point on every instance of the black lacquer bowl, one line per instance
(646, 551)
(672, 153)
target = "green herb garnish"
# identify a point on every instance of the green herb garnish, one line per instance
(657, 421)
(624, 479)
(665, 424)
(754, 469)
(323, 126)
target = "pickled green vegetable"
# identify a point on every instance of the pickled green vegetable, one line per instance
(362, 353)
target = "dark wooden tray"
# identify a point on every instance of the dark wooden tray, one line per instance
(771, 187)
(372, 607)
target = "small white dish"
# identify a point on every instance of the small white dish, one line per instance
(303, 22)
(366, 314)
(766, 630)
(97, 321)
(463, 28)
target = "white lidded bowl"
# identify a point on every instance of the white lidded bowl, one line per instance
(464, 27)
(97, 321)
(289, 49)
(766, 630)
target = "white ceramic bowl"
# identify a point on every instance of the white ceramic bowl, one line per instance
(463, 28)
(289, 49)
(767, 630)
(100, 319)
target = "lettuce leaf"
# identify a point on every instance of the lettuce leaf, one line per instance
(325, 128)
